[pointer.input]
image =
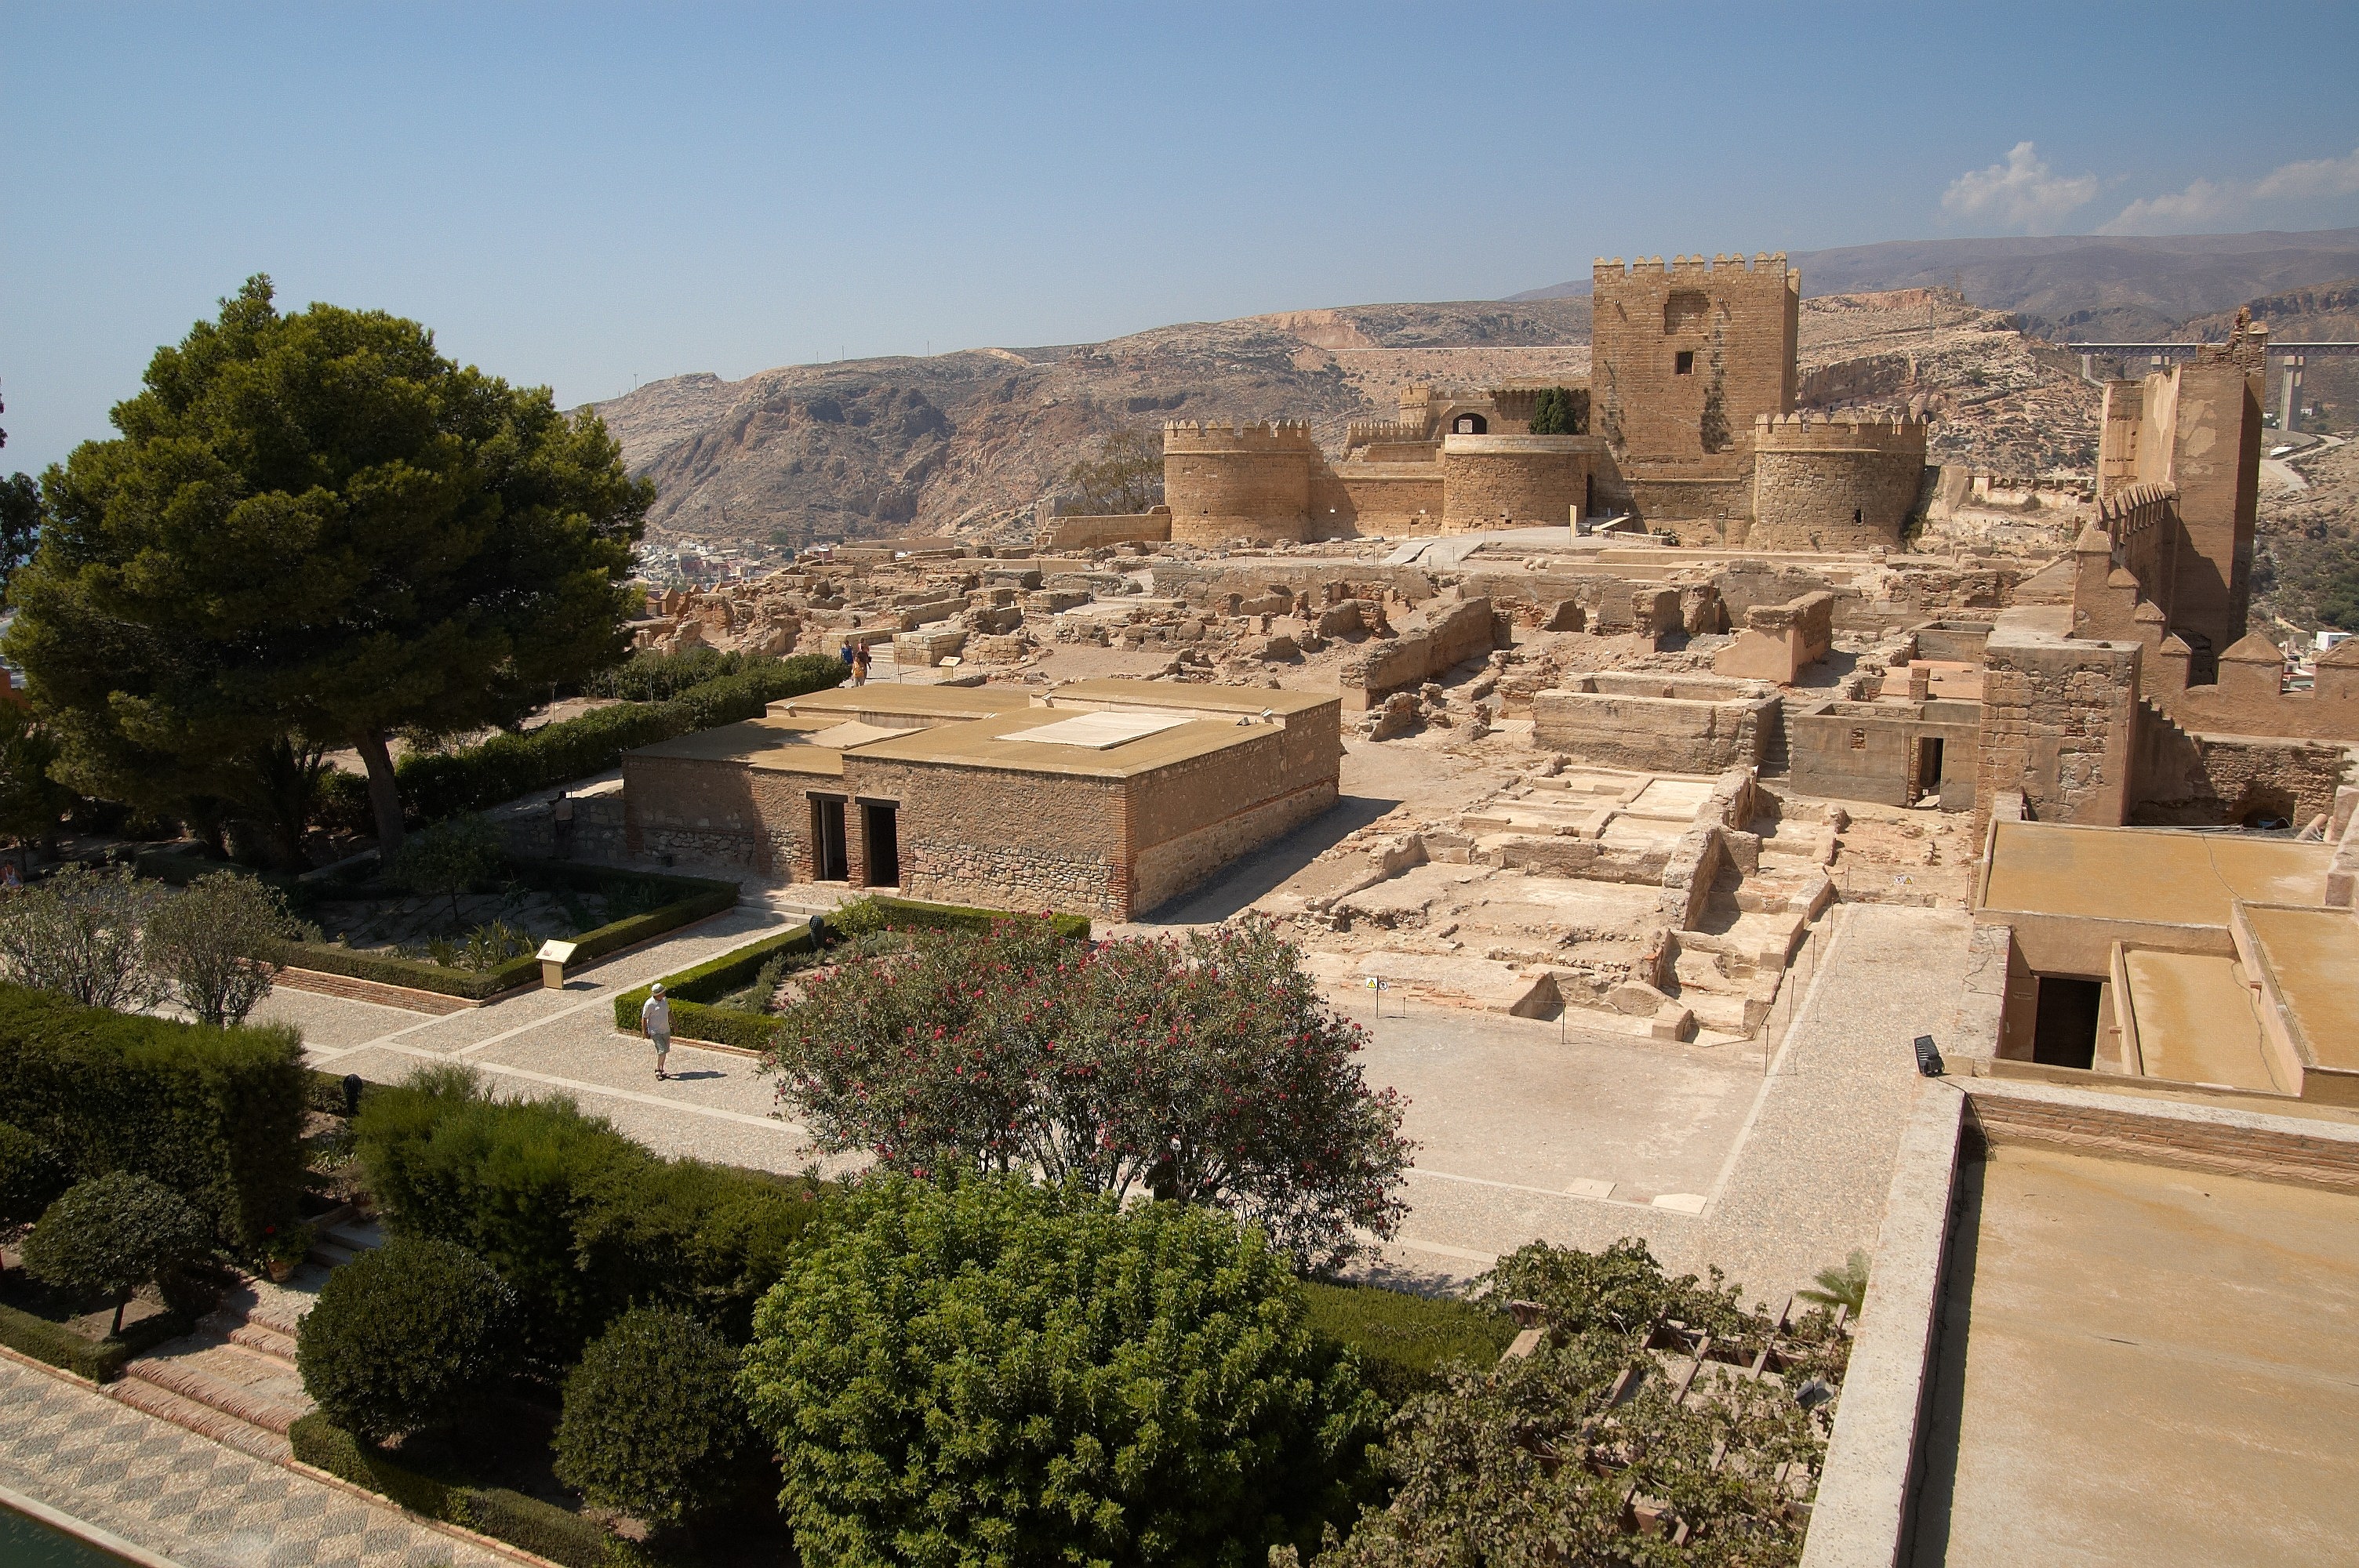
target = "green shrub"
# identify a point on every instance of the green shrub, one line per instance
(31, 1176)
(1537, 1460)
(654, 1427)
(993, 1371)
(319, 1442)
(692, 988)
(112, 1234)
(582, 1221)
(439, 784)
(1403, 1342)
(214, 1114)
(407, 1337)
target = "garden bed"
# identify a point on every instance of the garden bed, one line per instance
(696, 991)
(55, 1327)
(549, 898)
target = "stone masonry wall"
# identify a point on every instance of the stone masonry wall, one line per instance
(1004, 839)
(723, 813)
(1832, 486)
(2059, 726)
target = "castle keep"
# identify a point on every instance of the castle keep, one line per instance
(1686, 424)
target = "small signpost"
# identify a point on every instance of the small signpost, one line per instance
(1377, 989)
(554, 956)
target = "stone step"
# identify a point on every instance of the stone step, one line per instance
(255, 1388)
(355, 1234)
(201, 1419)
(273, 1343)
(329, 1254)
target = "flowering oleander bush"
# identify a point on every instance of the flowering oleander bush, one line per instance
(1207, 1070)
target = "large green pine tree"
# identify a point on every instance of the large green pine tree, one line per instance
(313, 532)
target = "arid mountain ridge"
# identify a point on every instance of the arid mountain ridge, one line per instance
(971, 441)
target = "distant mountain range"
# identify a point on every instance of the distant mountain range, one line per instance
(2081, 285)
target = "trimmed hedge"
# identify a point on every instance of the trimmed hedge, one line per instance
(537, 1526)
(1403, 1341)
(435, 785)
(214, 1114)
(100, 1360)
(579, 1220)
(690, 989)
(698, 898)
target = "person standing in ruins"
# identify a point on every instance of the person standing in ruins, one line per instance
(655, 1022)
(860, 664)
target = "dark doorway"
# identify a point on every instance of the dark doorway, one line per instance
(880, 826)
(1470, 424)
(831, 857)
(1929, 768)
(1588, 496)
(2066, 1032)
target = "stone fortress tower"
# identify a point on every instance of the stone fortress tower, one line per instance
(1686, 424)
(1692, 378)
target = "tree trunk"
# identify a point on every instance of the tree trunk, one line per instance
(120, 1302)
(384, 795)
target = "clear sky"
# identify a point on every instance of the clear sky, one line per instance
(584, 195)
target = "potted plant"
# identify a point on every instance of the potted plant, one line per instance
(283, 1247)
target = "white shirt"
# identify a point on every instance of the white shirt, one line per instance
(655, 1015)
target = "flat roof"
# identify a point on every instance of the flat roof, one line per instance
(914, 701)
(2313, 955)
(2139, 1363)
(985, 743)
(773, 744)
(2156, 875)
(2196, 1024)
(1172, 694)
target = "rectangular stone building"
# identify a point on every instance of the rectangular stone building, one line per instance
(1102, 799)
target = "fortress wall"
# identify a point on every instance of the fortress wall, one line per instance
(1395, 499)
(1528, 479)
(1252, 481)
(1835, 486)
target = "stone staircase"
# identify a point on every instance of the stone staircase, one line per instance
(234, 1379)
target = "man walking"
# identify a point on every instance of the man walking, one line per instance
(860, 664)
(655, 1022)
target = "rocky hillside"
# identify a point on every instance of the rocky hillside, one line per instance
(972, 440)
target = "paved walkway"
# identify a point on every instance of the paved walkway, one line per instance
(1574, 1137)
(191, 1499)
(1809, 1181)
(715, 1106)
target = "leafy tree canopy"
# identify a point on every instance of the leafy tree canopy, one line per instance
(990, 1372)
(113, 1234)
(1125, 477)
(315, 531)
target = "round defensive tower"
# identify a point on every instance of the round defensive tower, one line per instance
(1832, 484)
(1529, 479)
(1250, 482)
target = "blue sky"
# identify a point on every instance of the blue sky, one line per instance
(582, 196)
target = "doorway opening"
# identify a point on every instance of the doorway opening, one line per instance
(1928, 769)
(880, 828)
(831, 856)
(1470, 424)
(2065, 1034)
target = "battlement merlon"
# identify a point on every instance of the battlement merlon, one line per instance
(1274, 436)
(1804, 433)
(1773, 261)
